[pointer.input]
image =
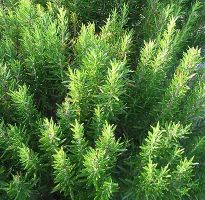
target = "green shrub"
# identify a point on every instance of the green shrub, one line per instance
(102, 100)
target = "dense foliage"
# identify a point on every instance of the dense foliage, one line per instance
(102, 99)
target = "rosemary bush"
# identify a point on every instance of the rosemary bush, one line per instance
(102, 100)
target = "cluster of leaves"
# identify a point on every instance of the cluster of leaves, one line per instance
(109, 109)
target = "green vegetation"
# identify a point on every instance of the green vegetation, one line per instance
(102, 100)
